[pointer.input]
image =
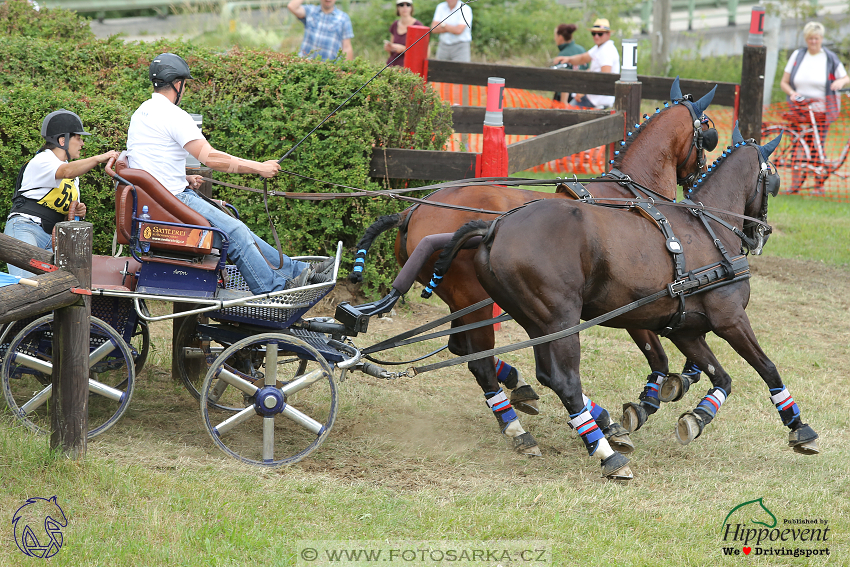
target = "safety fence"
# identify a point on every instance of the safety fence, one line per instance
(812, 156)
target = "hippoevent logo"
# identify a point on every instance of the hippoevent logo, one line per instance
(38, 527)
(750, 528)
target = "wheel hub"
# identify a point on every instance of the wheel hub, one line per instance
(269, 401)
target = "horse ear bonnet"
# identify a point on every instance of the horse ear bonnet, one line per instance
(675, 90)
(768, 148)
(737, 138)
(703, 103)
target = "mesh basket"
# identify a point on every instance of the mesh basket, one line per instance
(298, 301)
(117, 312)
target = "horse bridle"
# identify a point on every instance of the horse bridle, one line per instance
(768, 184)
(702, 140)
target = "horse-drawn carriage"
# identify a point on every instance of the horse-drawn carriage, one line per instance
(268, 395)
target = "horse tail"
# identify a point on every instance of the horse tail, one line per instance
(383, 224)
(461, 237)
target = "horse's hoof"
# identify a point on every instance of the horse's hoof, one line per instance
(616, 467)
(618, 438)
(525, 444)
(634, 416)
(525, 399)
(689, 427)
(673, 388)
(804, 440)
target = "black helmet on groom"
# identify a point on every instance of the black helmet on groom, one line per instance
(62, 123)
(167, 68)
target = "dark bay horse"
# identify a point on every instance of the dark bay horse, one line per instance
(597, 259)
(667, 148)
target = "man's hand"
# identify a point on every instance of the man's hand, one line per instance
(195, 181)
(103, 158)
(77, 209)
(269, 168)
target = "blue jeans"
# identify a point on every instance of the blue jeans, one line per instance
(245, 249)
(30, 232)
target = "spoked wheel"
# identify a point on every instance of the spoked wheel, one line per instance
(791, 158)
(140, 345)
(27, 375)
(287, 405)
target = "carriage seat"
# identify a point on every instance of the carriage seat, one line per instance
(162, 206)
(114, 273)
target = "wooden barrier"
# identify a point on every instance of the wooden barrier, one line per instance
(70, 270)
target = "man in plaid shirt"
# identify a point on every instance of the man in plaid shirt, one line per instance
(326, 30)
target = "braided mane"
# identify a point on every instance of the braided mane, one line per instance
(703, 177)
(623, 146)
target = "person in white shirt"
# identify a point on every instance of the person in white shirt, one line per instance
(603, 58)
(160, 137)
(47, 189)
(812, 77)
(454, 26)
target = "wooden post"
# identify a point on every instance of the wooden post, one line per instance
(194, 367)
(660, 36)
(628, 90)
(752, 78)
(71, 327)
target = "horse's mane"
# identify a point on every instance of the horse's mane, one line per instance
(693, 189)
(623, 146)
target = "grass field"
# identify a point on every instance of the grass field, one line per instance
(420, 459)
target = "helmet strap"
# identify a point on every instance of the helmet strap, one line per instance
(180, 92)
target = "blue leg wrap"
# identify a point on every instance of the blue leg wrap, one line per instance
(502, 408)
(712, 401)
(432, 285)
(691, 371)
(649, 396)
(588, 430)
(785, 405)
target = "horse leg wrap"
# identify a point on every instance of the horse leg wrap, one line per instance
(502, 410)
(616, 467)
(788, 410)
(523, 396)
(649, 397)
(709, 405)
(691, 371)
(589, 431)
(616, 434)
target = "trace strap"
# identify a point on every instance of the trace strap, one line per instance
(545, 338)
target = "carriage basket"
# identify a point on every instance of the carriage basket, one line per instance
(297, 301)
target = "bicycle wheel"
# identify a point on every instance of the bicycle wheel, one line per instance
(791, 158)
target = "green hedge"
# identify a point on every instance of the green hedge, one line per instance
(255, 104)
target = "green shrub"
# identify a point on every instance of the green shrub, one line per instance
(255, 104)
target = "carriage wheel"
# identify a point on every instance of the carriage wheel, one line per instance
(27, 368)
(140, 345)
(194, 350)
(791, 157)
(280, 420)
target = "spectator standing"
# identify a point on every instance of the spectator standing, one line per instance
(603, 58)
(398, 31)
(327, 30)
(566, 47)
(455, 32)
(812, 76)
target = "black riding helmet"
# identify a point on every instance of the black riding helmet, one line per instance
(61, 123)
(167, 68)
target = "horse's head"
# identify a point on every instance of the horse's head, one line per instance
(680, 133)
(704, 137)
(745, 182)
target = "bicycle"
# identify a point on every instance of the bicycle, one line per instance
(801, 149)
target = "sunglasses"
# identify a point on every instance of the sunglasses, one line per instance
(405, 4)
(599, 33)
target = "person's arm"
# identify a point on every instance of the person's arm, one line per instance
(347, 49)
(840, 83)
(606, 69)
(220, 161)
(437, 27)
(785, 85)
(295, 6)
(574, 60)
(78, 167)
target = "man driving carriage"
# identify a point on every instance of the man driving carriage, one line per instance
(160, 135)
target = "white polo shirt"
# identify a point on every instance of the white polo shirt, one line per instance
(600, 56)
(158, 132)
(460, 16)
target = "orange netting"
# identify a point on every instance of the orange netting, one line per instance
(812, 156)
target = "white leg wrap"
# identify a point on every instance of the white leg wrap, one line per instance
(514, 429)
(603, 450)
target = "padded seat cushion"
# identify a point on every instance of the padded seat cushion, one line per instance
(162, 206)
